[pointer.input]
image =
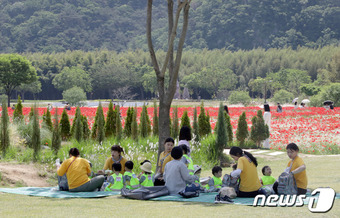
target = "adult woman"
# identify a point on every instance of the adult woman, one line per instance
(78, 171)
(185, 137)
(267, 120)
(246, 170)
(116, 157)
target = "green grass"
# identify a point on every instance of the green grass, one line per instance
(320, 170)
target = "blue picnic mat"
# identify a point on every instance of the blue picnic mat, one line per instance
(53, 192)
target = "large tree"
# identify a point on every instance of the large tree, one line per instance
(14, 71)
(170, 65)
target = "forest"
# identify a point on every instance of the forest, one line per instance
(119, 25)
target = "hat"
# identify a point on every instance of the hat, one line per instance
(177, 152)
(146, 167)
(197, 168)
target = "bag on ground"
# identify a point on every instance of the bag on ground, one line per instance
(286, 184)
(145, 193)
(62, 183)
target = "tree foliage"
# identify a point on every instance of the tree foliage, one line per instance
(242, 132)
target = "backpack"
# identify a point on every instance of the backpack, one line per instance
(228, 181)
(286, 184)
(62, 183)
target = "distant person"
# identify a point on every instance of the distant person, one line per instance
(67, 107)
(267, 120)
(185, 137)
(226, 109)
(13, 107)
(295, 105)
(279, 108)
(302, 105)
(331, 107)
(49, 107)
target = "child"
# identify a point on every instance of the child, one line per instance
(186, 159)
(115, 182)
(297, 167)
(164, 158)
(176, 174)
(130, 179)
(215, 183)
(267, 179)
(147, 177)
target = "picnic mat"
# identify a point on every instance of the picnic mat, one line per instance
(53, 192)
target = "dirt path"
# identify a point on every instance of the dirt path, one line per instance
(23, 174)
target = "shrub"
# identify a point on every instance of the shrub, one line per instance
(259, 130)
(229, 128)
(56, 137)
(36, 145)
(134, 126)
(118, 125)
(144, 123)
(75, 96)
(47, 120)
(185, 120)
(110, 125)
(99, 130)
(99, 113)
(4, 135)
(17, 113)
(155, 119)
(86, 129)
(283, 96)
(174, 126)
(203, 126)
(237, 97)
(128, 122)
(242, 129)
(77, 126)
(221, 134)
(195, 126)
(65, 126)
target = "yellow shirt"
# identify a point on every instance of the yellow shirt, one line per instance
(166, 160)
(249, 178)
(77, 173)
(109, 162)
(301, 178)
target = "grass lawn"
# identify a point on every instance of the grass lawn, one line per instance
(321, 172)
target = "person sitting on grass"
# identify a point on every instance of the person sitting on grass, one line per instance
(130, 179)
(146, 178)
(164, 158)
(115, 182)
(247, 172)
(297, 167)
(77, 171)
(267, 178)
(116, 157)
(186, 159)
(215, 183)
(176, 175)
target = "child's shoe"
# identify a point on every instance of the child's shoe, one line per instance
(217, 199)
(225, 200)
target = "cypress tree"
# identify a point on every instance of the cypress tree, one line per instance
(155, 119)
(259, 130)
(65, 126)
(100, 132)
(175, 126)
(48, 120)
(86, 129)
(30, 115)
(56, 137)
(221, 134)
(207, 123)
(229, 128)
(202, 121)
(36, 145)
(195, 126)
(78, 130)
(185, 120)
(128, 122)
(17, 113)
(118, 125)
(143, 125)
(134, 126)
(242, 129)
(110, 125)
(4, 136)
(95, 127)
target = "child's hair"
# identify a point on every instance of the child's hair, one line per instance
(129, 165)
(169, 140)
(177, 153)
(117, 167)
(264, 169)
(216, 169)
(292, 146)
(74, 152)
(266, 107)
(117, 148)
(238, 152)
(185, 133)
(184, 148)
(234, 166)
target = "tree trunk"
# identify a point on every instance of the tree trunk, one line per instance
(166, 95)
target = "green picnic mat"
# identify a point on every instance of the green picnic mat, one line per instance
(53, 192)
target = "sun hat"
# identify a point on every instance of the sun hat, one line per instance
(146, 167)
(177, 152)
(197, 168)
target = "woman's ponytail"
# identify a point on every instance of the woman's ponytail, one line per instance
(251, 157)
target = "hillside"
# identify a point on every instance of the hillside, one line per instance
(58, 26)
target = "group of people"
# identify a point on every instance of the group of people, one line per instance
(177, 171)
